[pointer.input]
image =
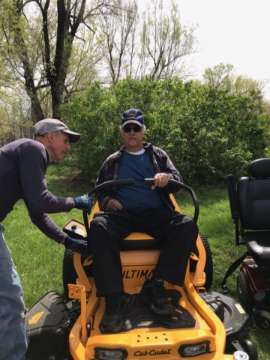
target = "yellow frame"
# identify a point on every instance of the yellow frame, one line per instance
(139, 342)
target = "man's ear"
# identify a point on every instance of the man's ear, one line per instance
(50, 137)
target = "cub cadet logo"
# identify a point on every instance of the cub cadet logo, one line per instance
(137, 274)
(152, 352)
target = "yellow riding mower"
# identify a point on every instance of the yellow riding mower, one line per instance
(206, 325)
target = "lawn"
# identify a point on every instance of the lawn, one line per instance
(39, 260)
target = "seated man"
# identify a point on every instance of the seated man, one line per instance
(142, 208)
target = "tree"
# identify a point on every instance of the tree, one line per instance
(220, 76)
(53, 48)
(244, 85)
(119, 31)
(14, 120)
(154, 47)
(37, 38)
(165, 42)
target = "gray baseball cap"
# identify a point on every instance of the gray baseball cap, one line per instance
(46, 126)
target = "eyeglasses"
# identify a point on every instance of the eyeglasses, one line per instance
(129, 128)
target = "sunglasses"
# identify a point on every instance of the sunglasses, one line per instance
(129, 128)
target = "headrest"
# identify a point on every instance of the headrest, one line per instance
(260, 168)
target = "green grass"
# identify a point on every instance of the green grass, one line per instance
(39, 260)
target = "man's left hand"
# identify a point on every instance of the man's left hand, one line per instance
(83, 202)
(161, 180)
(77, 245)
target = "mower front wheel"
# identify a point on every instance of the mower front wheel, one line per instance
(250, 349)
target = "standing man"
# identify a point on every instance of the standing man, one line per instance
(138, 208)
(23, 165)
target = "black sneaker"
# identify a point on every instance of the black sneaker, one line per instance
(157, 298)
(113, 320)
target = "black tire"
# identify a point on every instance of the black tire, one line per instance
(244, 293)
(250, 349)
(209, 268)
(261, 321)
(208, 265)
(69, 273)
(48, 337)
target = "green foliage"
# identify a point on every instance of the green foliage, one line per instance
(208, 132)
(94, 114)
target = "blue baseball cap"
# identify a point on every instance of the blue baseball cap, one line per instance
(132, 116)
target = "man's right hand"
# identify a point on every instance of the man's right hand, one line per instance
(76, 245)
(114, 204)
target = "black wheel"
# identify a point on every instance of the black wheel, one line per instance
(244, 292)
(250, 349)
(209, 263)
(261, 321)
(48, 336)
(69, 273)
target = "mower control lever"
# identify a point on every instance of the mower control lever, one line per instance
(179, 185)
(107, 185)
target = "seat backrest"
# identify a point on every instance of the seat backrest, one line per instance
(254, 196)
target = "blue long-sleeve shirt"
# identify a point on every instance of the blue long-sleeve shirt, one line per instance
(23, 165)
(140, 195)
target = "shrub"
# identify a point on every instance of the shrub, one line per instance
(207, 133)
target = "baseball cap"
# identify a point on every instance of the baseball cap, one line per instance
(132, 116)
(46, 126)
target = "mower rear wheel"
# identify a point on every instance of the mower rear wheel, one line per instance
(209, 263)
(69, 273)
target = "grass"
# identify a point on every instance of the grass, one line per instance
(39, 260)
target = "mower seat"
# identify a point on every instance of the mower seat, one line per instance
(250, 207)
(139, 241)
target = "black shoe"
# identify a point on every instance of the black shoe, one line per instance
(157, 298)
(113, 320)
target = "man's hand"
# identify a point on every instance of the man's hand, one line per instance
(83, 202)
(161, 180)
(114, 204)
(77, 245)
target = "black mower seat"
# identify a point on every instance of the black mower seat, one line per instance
(250, 209)
(254, 209)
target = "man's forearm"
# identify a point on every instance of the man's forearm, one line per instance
(49, 203)
(48, 227)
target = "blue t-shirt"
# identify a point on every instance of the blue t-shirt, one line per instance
(139, 195)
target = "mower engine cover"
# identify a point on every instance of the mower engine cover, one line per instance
(48, 325)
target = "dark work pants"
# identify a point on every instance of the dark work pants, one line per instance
(177, 232)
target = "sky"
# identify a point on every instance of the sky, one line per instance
(235, 32)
